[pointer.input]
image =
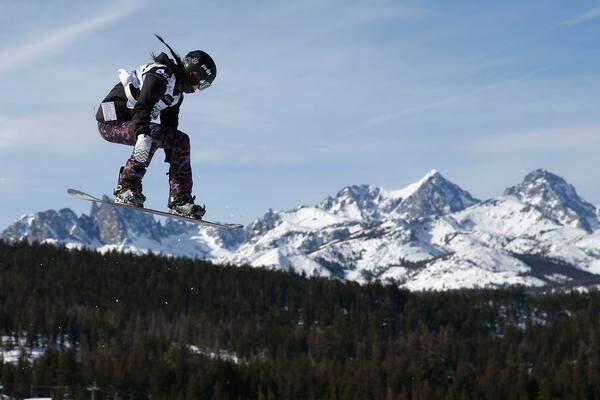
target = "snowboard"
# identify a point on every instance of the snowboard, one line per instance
(84, 196)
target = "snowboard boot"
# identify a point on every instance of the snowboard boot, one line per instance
(184, 206)
(129, 196)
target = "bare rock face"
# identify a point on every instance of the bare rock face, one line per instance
(62, 226)
(118, 224)
(262, 225)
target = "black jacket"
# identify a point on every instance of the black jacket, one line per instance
(154, 88)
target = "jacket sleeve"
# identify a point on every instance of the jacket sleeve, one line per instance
(153, 88)
(169, 117)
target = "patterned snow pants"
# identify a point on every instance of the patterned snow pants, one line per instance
(177, 148)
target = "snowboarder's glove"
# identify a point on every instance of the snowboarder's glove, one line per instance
(141, 151)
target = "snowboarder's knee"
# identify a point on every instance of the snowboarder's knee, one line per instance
(183, 140)
(104, 130)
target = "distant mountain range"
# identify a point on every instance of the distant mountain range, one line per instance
(429, 235)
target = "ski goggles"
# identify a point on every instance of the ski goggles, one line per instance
(196, 79)
(203, 85)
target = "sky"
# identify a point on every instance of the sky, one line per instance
(310, 96)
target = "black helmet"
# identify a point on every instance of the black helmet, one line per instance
(200, 69)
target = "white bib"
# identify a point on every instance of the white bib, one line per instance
(135, 79)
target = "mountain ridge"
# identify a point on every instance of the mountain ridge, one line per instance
(431, 234)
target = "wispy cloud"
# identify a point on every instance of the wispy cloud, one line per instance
(579, 136)
(318, 19)
(588, 15)
(62, 38)
(255, 155)
(344, 12)
(380, 119)
(46, 133)
(10, 184)
(360, 13)
(418, 108)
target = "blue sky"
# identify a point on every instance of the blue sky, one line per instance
(310, 96)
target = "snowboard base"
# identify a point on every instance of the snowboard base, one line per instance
(84, 196)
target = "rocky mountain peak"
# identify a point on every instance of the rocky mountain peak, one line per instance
(118, 224)
(262, 225)
(555, 198)
(413, 187)
(357, 202)
(62, 226)
(430, 196)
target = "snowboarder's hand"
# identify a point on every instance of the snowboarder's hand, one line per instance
(141, 151)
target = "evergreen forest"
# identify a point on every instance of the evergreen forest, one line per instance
(123, 326)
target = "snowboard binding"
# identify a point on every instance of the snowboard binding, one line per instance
(183, 205)
(129, 197)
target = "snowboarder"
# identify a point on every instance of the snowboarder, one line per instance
(155, 90)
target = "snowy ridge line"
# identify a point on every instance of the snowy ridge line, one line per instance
(430, 235)
(356, 235)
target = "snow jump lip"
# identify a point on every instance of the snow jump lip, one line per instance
(88, 197)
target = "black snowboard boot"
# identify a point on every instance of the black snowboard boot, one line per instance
(129, 196)
(184, 205)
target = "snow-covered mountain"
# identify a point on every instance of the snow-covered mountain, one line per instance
(556, 199)
(432, 195)
(117, 228)
(429, 235)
